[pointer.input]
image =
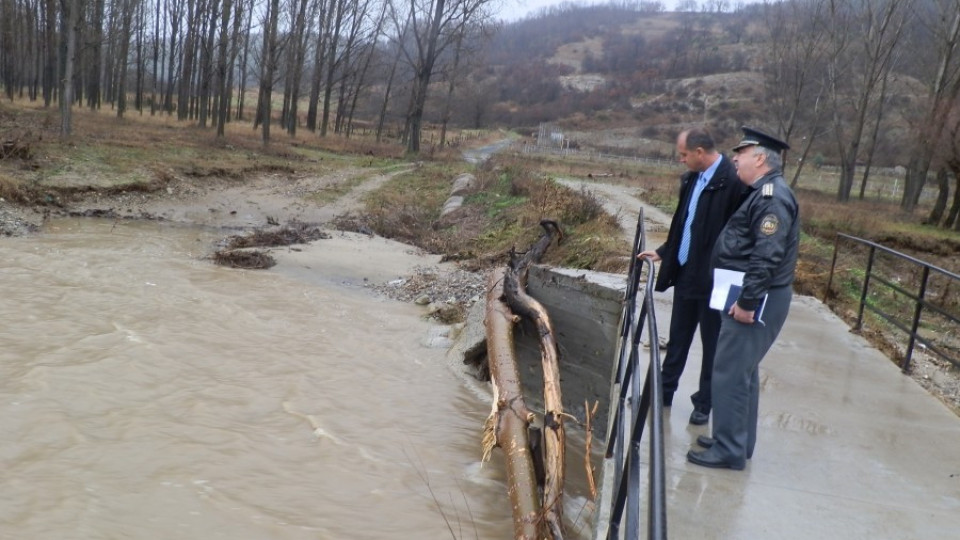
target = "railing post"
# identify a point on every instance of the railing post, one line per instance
(863, 293)
(833, 264)
(916, 320)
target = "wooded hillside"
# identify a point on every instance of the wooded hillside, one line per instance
(856, 84)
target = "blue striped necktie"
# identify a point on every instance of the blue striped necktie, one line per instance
(684, 252)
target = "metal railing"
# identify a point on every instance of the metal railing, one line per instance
(525, 148)
(920, 303)
(633, 398)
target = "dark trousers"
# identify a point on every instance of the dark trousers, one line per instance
(687, 314)
(736, 378)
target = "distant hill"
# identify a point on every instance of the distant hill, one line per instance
(624, 81)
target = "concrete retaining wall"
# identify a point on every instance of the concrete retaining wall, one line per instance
(584, 308)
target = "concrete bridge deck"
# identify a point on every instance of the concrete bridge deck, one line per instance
(848, 447)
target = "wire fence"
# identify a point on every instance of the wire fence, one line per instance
(883, 183)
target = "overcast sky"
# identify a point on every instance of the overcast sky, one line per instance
(512, 10)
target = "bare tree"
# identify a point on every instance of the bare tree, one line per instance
(186, 64)
(242, 68)
(794, 69)
(295, 57)
(270, 52)
(206, 72)
(174, 15)
(940, 36)
(864, 37)
(140, 44)
(952, 160)
(317, 67)
(127, 7)
(466, 45)
(50, 50)
(381, 119)
(70, 14)
(95, 42)
(434, 25)
(224, 59)
(334, 25)
(368, 61)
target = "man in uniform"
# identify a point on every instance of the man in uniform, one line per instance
(761, 240)
(709, 194)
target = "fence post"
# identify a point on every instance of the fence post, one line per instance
(833, 264)
(916, 320)
(863, 293)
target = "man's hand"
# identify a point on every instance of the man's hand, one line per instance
(741, 315)
(649, 254)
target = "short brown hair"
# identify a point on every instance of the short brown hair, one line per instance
(699, 137)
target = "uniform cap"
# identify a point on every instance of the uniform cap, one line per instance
(753, 137)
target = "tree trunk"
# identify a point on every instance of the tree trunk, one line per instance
(141, 58)
(95, 72)
(207, 68)
(174, 14)
(318, 51)
(50, 52)
(554, 437)
(381, 119)
(944, 88)
(874, 135)
(68, 48)
(334, 30)
(953, 218)
(451, 86)
(242, 86)
(128, 9)
(424, 71)
(943, 182)
(264, 107)
(510, 418)
(298, 52)
(361, 77)
(223, 85)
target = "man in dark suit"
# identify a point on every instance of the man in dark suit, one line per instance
(710, 192)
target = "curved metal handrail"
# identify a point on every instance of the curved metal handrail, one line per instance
(634, 409)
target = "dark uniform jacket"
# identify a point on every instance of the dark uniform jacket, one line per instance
(718, 201)
(761, 239)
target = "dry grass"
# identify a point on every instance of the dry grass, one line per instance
(502, 213)
(292, 233)
(252, 259)
(143, 151)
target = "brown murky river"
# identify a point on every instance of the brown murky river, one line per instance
(147, 393)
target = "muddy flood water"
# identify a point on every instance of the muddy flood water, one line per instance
(147, 393)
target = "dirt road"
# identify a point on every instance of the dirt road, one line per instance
(624, 202)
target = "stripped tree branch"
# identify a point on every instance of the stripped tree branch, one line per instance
(508, 422)
(554, 440)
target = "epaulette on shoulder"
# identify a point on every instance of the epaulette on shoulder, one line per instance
(767, 190)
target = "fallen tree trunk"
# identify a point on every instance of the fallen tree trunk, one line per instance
(510, 418)
(554, 438)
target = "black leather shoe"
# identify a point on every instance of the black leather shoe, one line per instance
(707, 442)
(707, 459)
(698, 418)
